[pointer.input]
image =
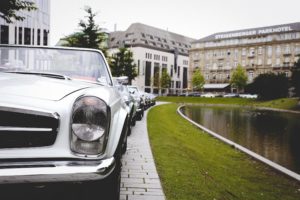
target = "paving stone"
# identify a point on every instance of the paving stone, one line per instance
(139, 178)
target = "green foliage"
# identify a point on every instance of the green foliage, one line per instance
(165, 80)
(296, 78)
(270, 86)
(122, 64)
(198, 80)
(193, 165)
(90, 34)
(239, 78)
(8, 9)
(156, 80)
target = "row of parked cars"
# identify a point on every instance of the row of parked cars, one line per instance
(212, 95)
(63, 120)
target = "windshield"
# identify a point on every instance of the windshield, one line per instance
(76, 64)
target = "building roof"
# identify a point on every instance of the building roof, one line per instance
(139, 34)
(252, 32)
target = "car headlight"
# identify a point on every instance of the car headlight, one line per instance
(89, 126)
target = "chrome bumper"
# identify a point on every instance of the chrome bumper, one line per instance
(55, 171)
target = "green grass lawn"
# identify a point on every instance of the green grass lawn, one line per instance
(285, 103)
(194, 165)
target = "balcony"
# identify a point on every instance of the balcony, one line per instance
(287, 53)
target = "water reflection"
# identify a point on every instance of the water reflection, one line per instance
(274, 135)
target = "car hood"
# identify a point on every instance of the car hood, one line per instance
(34, 86)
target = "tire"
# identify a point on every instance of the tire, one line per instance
(123, 140)
(133, 122)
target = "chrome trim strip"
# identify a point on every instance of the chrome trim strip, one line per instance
(15, 108)
(25, 129)
(56, 171)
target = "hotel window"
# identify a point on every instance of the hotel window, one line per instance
(286, 74)
(4, 35)
(20, 35)
(244, 51)
(228, 64)
(178, 74)
(287, 49)
(277, 61)
(244, 63)
(228, 76)
(33, 37)
(250, 75)
(27, 36)
(38, 37)
(16, 35)
(278, 50)
(236, 53)
(235, 64)
(269, 51)
(269, 61)
(45, 41)
(259, 61)
(260, 50)
(206, 76)
(207, 66)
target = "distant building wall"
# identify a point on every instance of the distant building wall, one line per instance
(33, 30)
(258, 50)
(155, 50)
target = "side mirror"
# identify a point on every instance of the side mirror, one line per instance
(122, 79)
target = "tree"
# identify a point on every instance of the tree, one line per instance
(165, 80)
(9, 8)
(122, 64)
(90, 34)
(270, 86)
(239, 78)
(295, 79)
(198, 80)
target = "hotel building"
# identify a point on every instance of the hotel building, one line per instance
(155, 50)
(33, 30)
(258, 50)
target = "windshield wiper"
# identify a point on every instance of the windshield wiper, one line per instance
(49, 75)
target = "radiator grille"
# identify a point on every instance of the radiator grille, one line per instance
(21, 130)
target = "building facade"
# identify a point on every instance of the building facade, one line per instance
(33, 30)
(258, 50)
(155, 50)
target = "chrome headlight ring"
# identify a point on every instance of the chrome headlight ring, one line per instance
(89, 125)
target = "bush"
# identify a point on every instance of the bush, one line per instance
(269, 86)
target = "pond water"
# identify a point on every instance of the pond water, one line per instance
(273, 135)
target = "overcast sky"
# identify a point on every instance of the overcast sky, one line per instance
(192, 18)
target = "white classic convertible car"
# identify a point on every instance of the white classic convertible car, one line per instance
(61, 120)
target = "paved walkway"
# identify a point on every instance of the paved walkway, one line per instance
(139, 178)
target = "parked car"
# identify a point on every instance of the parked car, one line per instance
(230, 95)
(152, 99)
(139, 97)
(61, 120)
(194, 94)
(208, 95)
(249, 96)
(131, 104)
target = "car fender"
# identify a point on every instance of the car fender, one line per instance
(118, 122)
